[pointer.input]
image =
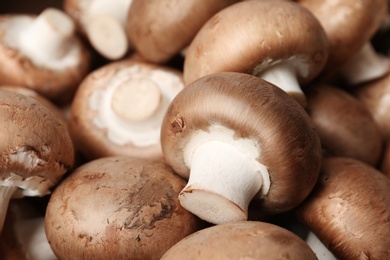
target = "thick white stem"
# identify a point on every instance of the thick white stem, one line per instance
(6, 193)
(224, 178)
(49, 36)
(365, 65)
(283, 76)
(319, 248)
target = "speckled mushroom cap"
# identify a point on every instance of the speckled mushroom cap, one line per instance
(288, 145)
(35, 146)
(251, 36)
(349, 209)
(158, 30)
(118, 208)
(345, 125)
(98, 131)
(241, 240)
(56, 80)
(348, 24)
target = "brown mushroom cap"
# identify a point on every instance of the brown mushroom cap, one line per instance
(254, 109)
(118, 208)
(345, 125)
(241, 240)
(385, 163)
(252, 36)
(349, 209)
(16, 68)
(158, 30)
(97, 138)
(348, 25)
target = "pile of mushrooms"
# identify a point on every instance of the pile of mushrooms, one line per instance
(145, 129)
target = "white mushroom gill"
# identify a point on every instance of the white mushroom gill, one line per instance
(224, 177)
(46, 40)
(138, 132)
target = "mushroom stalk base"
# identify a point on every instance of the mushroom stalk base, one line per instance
(223, 180)
(366, 65)
(283, 76)
(6, 193)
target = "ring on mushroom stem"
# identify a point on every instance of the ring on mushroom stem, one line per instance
(238, 138)
(285, 45)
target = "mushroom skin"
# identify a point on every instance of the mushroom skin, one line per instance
(349, 31)
(349, 209)
(42, 53)
(385, 163)
(241, 240)
(35, 148)
(272, 139)
(118, 208)
(285, 45)
(158, 30)
(99, 130)
(345, 125)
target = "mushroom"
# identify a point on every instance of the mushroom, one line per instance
(284, 44)
(239, 139)
(349, 209)
(158, 30)
(241, 240)
(118, 109)
(42, 53)
(349, 31)
(375, 95)
(118, 208)
(35, 149)
(345, 125)
(103, 22)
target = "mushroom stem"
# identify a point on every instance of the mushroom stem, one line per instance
(136, 99)
(319, 248)
(6, 193)
(49, 35)
(365, 65)
(223, 180)
(283, 76)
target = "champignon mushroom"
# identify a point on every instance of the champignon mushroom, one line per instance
(237, 137)
(345, 125)
(43, 53)
(283, 44)
(241, 240)
(35, 149)
(349, 209)
(158, 30)
(349, 26)
(118, 208)
(118, 109)
(103, 22)
(385, 163)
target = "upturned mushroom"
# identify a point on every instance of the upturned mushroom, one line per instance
(349, 209)
(345, 125)
(42, 53)
(118, 208)
(118, 109)
(158, 30)
(238, 138)
(349, 26)
(241, 240)
(284, 44)
(35, 149)
(103, 22)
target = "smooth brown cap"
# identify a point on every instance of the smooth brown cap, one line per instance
(118, 208)
(345, 125)
(251, 36)
(289, 144)
(241, 240)
(349, 210)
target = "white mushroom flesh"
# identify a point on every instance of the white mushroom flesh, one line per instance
(224, 177)
(47, 40)
(142, 132)
(319, 248)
